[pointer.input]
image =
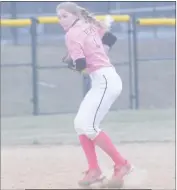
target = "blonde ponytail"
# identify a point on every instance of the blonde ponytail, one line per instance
(89, 18)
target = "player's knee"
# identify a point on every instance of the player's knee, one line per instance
(78, 125)
(92, 135)
(82, 127)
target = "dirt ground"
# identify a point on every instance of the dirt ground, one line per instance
(62, 166)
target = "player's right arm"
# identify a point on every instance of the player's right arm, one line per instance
(76, 53)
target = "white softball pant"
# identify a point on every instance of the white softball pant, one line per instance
(106, 87)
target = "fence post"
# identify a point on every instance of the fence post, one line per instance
(131, 97)
(34, 23)
(109, 7)
(14, 31)
(135, 63)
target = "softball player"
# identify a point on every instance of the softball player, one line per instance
(85, 44)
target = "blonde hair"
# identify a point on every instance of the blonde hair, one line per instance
(82, 13)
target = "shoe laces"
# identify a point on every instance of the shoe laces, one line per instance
(86, 172)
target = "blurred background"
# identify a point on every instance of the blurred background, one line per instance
(61, 90)
(48, 32)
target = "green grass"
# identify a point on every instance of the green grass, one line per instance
(123, 127)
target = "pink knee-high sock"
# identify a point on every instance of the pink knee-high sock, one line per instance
(89, 150)
(105, 143)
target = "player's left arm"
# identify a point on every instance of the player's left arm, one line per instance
(108, 41)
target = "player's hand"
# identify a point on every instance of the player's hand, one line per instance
(66, 58)
(71, 65)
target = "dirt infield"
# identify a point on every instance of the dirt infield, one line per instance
(55, 166)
